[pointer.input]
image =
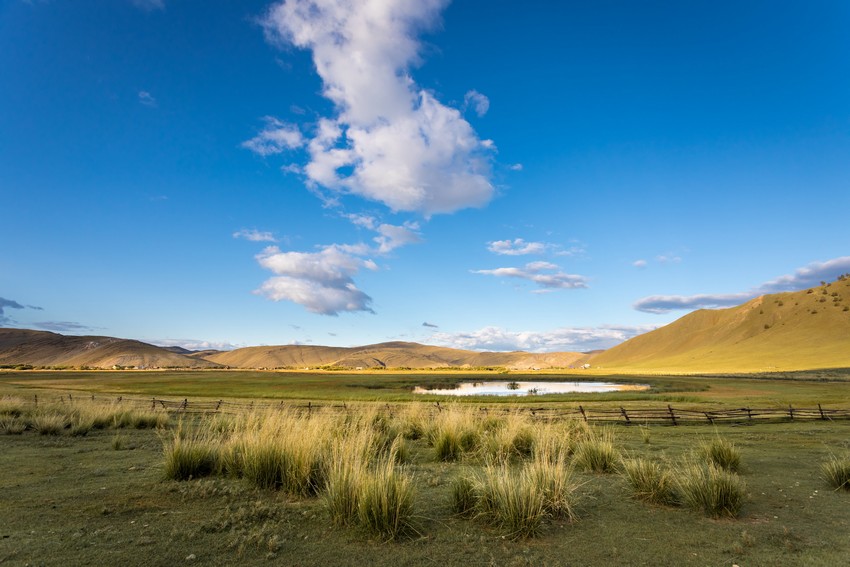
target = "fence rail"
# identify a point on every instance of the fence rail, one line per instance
(622, 415)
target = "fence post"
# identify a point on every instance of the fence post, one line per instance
(672, 415)
(820, 409)
(749, 414)
(708, 417)
(583, 415)
(790, 411)
(35, 399)
(623, 411)
(218, 405)
(153, 403)
(184, 404)
(309, 408)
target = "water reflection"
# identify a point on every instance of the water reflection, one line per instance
(514, 388)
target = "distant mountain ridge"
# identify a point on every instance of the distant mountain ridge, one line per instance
(43, 348)
(801, 330)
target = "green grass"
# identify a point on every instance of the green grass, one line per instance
(76, 500)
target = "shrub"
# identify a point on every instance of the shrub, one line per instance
(713, 490)
(649, 481)
(837, 472)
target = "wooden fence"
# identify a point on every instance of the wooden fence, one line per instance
(626, 416)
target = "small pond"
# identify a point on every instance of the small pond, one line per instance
(506, 388)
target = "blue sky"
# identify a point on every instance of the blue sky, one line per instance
(486, 175)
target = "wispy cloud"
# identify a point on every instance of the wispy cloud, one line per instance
(392, 236)
(521, 247)
(639, 264)
(570, 339)
(319, 281)
(255, 235)
(546, 275)
(388, 140)
(149, 5)
(477, 102)
(147, 99)
(275, 138)
(12, 304)
(668, 259)
(63, 326)
(516, 247)
(430, 325)
(802, 278)
(515, 167)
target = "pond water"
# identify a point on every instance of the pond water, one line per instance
(506, 388)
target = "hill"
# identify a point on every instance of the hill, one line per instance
(42, 348)
(388, 355)
(800, 330)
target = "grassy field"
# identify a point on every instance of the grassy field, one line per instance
(831, 389)
(102, 496)
(94, 500)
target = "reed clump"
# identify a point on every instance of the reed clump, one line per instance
(187, 453)
(386, 499)
(597, 452)
(455, 432)
(650, 481)
(722, 453)
(711, 489)
(836, 471)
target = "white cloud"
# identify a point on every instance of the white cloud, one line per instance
(319, 281)
(195, 344)
(389, 236)
(477, 101)
(255, 235)
(516, 167)
(389, 141)
(668, 259)
(545, 274)
(147, 99)
(569, 339)
(516, 247)
(802, 278)
(392, 236)
(640, 264)
(275, 138)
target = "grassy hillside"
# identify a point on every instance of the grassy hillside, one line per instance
(786, 331)
(387, 355)
(41, 348)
